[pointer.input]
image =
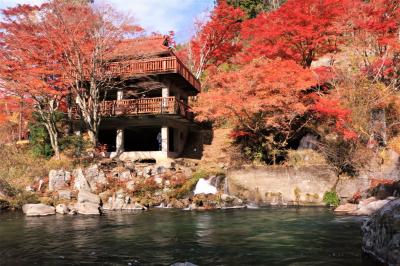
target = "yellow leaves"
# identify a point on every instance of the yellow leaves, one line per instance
(394, 144)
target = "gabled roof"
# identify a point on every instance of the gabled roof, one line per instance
(142, 47)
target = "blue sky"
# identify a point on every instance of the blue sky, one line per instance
(154, 15)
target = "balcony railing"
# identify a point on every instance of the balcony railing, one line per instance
(133, 107)
(169, 64)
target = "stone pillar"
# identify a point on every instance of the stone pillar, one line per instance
(119, 143)
(164, 139)
(120, 95)
(164, 94)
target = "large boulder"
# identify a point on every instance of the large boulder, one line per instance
(370, 207)
(88, 208)
(58, 179)
(346, 208)
(38, 209)
(124, 175)
(80, 180)
(95, 177)
(62, 209)
(88, 203)
(381, 234)
(86, 196)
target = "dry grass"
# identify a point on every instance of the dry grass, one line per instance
(19, 167)
(305, 157)
(394, 144)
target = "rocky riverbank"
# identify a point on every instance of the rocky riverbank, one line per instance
(131, 186)
(126, 186)
(381, 234)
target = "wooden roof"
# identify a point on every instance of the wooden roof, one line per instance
(143, 47)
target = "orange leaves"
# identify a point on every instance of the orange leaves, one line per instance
(275, 89)
(28, 69)
(300, 30)
(330, 109)
(216, 41)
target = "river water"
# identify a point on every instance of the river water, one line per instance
(286, 236)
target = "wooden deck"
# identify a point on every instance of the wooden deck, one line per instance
(160, 65)
(154, 106)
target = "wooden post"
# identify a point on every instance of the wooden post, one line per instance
(119, 142)
(164, 100)
(164, 140)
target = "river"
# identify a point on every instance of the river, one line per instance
(271, 236)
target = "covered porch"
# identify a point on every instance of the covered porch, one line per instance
(144, 141)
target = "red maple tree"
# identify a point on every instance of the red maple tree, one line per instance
(266, 99)
(300, 30)
(215, 40)
(28, 71)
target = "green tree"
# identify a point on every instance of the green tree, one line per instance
(254, 7)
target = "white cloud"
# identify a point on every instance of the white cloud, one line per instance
(154, 15)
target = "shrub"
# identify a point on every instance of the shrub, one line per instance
(23, 198)
(74, 145)
(39, 140)
(331, 198)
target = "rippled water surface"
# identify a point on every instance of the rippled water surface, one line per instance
(305, 236)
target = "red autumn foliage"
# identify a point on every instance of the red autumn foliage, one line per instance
(215, 40)
(330, 109)
(261, 94)
(374, 182)
(300, 30)
(375, 26)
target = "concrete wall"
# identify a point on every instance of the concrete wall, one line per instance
(304, 185)
(282, 185)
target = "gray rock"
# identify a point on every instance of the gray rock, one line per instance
(64, 194)
(230, 200)
(381, 234)
(129, 165)
(62, 209)
(58, 179)
(80, 181)
(95, 176)
(124, 175)
(161, 169)
(88, 208)
(38, 209)
(130, 185)
(119, 200)
(369, 208)
(148, 171)
(86, 196)
(346, 208)
(158, 180)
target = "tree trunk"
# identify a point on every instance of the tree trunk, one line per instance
(51, 129)
(20, 122)
(93, 137)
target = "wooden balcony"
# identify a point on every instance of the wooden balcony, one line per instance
(160, 65)
(154, 106)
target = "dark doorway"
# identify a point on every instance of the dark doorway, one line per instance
(142, 139)
(108, 137)
(171, 143)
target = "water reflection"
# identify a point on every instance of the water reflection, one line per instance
(161, 237)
